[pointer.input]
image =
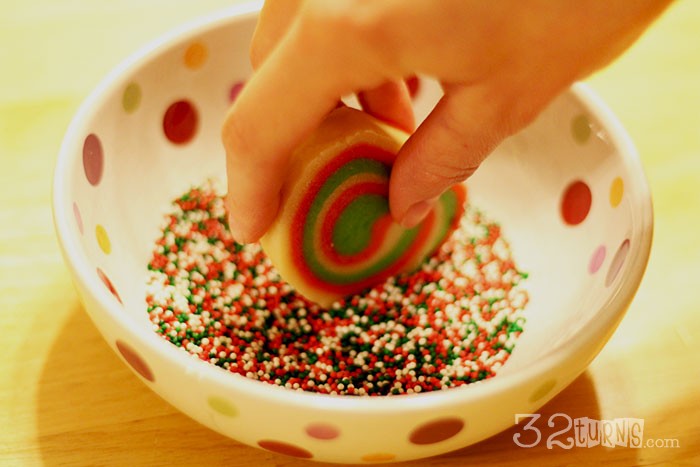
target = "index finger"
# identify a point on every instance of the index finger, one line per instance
(280, 105)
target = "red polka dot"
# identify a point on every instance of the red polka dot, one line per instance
(180, 122)
(93, 159)
(617, 262)
(576, 203)
(108, 283)
(285, 448)
(235, 91)
(322, 431)
(436, 431)
(135, 361)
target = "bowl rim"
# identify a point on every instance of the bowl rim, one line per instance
(149, 342)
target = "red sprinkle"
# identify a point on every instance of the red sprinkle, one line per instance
(453, 322)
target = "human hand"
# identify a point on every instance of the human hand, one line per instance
(500, 64)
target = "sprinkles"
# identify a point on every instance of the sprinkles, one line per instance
(454, 321)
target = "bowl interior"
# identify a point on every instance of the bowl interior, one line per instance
(573, 208)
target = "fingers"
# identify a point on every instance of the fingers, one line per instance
(274, 21)
(281, 105)
(465, 126)
(390, 102)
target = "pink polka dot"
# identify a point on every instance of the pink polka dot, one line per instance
(93, 159)
(322, 431)
(285, 448)
(135, 361)
(78, 218)
(108, 283)
(180, 122)
(235, 90)
(617, 262)
(576, 203)
(436, 431)
(597, 259)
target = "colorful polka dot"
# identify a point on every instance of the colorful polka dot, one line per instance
(235, 91)
(180, 122)
(543, 390)
(581, 129)
(576, 203)
(596, 259)
(78, 218)
(131, 98)
(195, 56)
(617, 262)
(378, 457)
(135, 361)
(617, 189)
(436, 431)
(108, 283)
(103, 239)
(222, 406)
(322, 431)
(93, 159)
(285, 448)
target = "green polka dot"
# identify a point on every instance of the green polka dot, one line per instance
(131, 98)
(581, 128)
(221, 405)
(543, 390)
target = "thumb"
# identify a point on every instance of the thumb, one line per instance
(446, 149)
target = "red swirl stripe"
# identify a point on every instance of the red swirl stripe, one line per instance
(379, 229)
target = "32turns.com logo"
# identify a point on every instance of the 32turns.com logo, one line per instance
(586, 432)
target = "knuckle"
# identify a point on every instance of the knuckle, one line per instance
(354, 22)
(237, 137)
(444, 173)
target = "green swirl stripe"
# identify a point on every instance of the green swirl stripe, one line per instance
(355, 167)
(448, 202)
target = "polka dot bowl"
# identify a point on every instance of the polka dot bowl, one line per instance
(569, 192)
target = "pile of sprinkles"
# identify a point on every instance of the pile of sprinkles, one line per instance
(454, 321)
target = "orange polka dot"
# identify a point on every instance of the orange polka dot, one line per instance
(195, 56)
(103, 239)
(617, 189)
(378, 457)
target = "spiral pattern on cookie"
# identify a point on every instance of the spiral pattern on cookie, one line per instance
(345, 239)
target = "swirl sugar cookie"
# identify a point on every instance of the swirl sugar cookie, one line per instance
(334, 235)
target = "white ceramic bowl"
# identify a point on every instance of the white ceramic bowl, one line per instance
(120, 166)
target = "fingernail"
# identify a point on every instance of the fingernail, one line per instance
(416, 214)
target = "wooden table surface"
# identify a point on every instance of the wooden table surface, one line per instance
(66, 399)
